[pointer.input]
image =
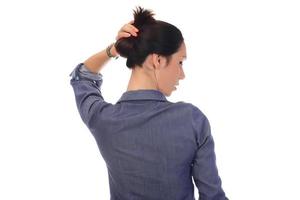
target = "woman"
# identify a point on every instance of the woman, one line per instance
(152, 147)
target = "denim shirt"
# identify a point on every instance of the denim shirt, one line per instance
(152, 147)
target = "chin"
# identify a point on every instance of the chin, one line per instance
(168, 94)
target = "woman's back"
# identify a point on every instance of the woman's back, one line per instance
(148, 144)
(152, 147)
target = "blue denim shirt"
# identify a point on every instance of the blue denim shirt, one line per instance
(152, 147)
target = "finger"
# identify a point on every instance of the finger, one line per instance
(130, 30)
(123, 34)
(130, 24)
(135, 29)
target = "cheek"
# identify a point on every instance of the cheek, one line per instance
(174, 74)
(165, 79)
(169, 77)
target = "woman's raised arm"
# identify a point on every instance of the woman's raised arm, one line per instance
(96, 62)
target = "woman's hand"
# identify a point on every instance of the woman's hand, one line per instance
(127, 30)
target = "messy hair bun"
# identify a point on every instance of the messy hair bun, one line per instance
(154, 36)
(127, 46)
(142, 16)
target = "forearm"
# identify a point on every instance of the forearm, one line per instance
(97, 61)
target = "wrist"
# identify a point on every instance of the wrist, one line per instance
(111, 51)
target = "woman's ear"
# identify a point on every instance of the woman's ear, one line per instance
(156, 60)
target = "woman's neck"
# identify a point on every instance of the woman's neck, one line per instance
(141, 80)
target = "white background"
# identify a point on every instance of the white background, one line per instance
(242, 71)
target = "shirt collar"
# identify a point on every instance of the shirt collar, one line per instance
(143, 94)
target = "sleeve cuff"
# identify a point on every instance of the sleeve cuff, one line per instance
(81, 72)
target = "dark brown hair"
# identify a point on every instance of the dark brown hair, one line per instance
(154, 36)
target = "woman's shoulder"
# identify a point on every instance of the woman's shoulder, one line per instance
(195, 111)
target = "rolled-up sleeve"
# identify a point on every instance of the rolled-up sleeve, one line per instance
(87, 89)
(204, 168)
